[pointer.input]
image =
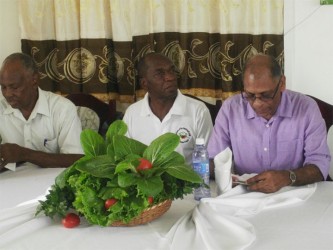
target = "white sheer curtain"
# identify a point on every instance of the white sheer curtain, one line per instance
(120, 20)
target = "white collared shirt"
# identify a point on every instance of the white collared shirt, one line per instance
(188, 118)
(53, 126)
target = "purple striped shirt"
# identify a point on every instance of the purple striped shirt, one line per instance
(293, 137)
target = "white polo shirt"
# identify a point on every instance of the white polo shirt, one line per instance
(188, 118)
(53, 126)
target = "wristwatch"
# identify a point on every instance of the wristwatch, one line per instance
(292, 177)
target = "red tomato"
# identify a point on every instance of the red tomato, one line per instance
(144, 164)
(150, 200)
(71, 220)
(109, 202)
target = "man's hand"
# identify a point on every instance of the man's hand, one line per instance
(269, 181)
(10, 153)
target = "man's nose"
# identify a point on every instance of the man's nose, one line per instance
(170, 75)
(257, 102)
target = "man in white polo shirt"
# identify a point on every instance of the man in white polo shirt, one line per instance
(36, 126)
(165, 109)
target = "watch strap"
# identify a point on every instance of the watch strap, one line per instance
(292, 177)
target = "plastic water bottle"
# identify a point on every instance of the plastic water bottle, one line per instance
(200, 163)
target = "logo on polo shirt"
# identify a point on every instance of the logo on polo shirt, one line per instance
(184, 135)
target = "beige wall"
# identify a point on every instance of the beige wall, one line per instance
(308, 44)
(309, 47)
(9, 28)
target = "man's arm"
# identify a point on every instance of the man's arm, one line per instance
(204, 124)
(15, 153)
(273, 180)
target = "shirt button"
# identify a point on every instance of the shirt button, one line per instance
(267, 125)
(265, 149)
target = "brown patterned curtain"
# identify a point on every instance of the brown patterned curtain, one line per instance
(91, 46)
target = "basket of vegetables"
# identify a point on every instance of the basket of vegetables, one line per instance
(120, 181)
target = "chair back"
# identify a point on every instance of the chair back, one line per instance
(330, 145)
(326, 110)
(105, 111)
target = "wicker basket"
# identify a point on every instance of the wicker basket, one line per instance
(147, 215)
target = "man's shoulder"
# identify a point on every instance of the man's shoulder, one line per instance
(50, 95)
(299, 99)
(233, 102)
(54, 98)
(191, 102)
(135, 106)
(133, 111)
(296, 104)
(195, 100)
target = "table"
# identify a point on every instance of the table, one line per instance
(25, 184)
(303, 225)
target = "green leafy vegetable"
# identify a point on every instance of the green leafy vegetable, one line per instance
(183, 172)
(93, 143)
(99, 166)
(125, 146)
(161, 148)
(109, 170)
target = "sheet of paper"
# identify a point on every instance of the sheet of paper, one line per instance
(11, 166)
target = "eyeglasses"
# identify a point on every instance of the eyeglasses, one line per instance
(250, 97)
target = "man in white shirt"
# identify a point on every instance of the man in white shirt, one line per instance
(36, 126)
(165, 109)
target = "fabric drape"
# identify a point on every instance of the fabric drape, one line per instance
(92, 46)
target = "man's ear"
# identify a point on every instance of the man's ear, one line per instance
(283, 83)
(143, 83)
(35, 79)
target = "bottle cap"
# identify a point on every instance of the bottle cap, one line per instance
(200, 141)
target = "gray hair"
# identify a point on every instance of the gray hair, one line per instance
(26, 60)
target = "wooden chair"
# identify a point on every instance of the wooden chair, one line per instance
(105, 111)
(213, 109)
(330, 145)
(326, 110)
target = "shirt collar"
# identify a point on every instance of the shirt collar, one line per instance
(285, 107)
(42, 106)
(178, 107)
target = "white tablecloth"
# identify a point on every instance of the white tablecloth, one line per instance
(298, 225)
(26, 183)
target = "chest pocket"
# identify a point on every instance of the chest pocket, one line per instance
(47, 145)
(289, 149)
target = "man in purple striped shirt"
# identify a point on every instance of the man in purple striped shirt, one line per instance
(277, 133)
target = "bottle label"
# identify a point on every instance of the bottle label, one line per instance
(201, 168)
